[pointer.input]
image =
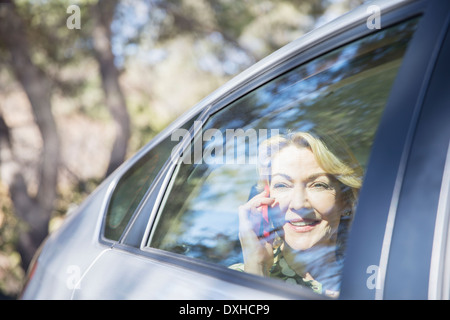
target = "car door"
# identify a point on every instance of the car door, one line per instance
(392, 257)
(182, 239)
(415, 267)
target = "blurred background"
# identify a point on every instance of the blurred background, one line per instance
(85, 84)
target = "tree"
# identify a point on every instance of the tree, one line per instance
(103, 13)
(34, 211)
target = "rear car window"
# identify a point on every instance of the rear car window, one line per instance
(133, 185)
(270, 184)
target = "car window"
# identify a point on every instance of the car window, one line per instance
(270, 183)
(133, 185)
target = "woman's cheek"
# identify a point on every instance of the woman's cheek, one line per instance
(324, 203)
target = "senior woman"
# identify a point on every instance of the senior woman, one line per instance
(311, 195)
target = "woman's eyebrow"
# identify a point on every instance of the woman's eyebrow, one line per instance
(311, 177)
(283, 175)
(314, 176)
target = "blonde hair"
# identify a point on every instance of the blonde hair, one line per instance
(333, 156)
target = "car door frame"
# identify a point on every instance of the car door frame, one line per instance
(289, 60)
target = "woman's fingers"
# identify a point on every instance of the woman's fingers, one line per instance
(254, 205)
(250, 214)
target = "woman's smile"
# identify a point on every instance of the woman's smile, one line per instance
(302, 225)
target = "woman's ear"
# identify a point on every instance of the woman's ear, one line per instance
(346, 201)
(346, 212)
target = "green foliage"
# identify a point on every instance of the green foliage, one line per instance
(11, 274)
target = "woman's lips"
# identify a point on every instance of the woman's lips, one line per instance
(302, 225)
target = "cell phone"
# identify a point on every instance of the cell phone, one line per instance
(265, 215)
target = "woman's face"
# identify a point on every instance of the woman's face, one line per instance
(308, 198)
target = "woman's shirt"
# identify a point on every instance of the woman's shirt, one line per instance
(281, 270)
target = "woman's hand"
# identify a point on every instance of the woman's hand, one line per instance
(257, 252)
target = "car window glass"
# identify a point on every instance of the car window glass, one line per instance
(307, 135)
(134, 184)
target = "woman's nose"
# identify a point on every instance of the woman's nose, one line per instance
(298, 200)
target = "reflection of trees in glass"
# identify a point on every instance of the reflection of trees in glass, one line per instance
(342, 93)
(202, 215)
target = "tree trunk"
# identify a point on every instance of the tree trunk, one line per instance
(34, 211)
(103, 13)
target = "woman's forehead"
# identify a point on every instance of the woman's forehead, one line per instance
(295, 160)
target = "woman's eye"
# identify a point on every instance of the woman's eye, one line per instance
(320, 185)
(280, 186)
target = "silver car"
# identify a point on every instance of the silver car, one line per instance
(187, 217)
